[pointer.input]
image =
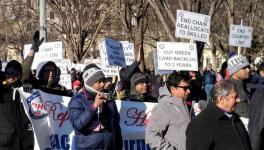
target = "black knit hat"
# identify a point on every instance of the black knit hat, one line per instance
(138, 77)
(13, 69)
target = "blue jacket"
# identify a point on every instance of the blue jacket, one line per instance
(91, 131)
(209, 77)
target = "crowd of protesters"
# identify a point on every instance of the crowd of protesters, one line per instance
(229, 104)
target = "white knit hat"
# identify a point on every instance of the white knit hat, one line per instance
(92, 75)
(237, 62)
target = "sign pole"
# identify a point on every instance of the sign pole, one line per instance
(239, 49)
(118, 77)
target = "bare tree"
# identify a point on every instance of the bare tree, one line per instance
(77, 24)
(17, 20)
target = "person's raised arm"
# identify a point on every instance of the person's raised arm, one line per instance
(26, 66)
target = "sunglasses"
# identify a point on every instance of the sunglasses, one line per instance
(184, 87)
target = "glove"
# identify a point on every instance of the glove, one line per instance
(36, 42)
(27, 87)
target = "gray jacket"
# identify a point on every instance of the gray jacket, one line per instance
(169, 120)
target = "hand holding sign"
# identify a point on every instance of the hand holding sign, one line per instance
(36, 42)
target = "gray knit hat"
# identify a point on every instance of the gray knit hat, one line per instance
(137, 78)
(92, 75)
(237, 62)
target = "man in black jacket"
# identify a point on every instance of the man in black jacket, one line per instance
(256, 120)
(15, 128)
(218, 127)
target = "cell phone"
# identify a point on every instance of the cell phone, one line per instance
(107, 96)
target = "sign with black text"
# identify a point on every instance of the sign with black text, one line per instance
(193, 26)
(157, 71)
(240, 36)
(47, 52)
(112, 53)
(177, 56)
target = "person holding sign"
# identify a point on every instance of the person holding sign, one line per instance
(169, 119)
(94, 116)
(47, 74)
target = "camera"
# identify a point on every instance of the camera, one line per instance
(105, 95)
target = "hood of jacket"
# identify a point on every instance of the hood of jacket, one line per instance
(41, 66)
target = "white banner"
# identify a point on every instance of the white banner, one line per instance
(49, 117)
(240, 36)
(177, 56)
(47, 52)
(193, 26)
(134, 117)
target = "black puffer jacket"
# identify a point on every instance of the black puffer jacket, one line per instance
(15, 128)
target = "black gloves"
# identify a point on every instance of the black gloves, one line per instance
(27, 87)
(36, 42)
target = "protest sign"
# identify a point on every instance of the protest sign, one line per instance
(110, 71)
(177, 56)
(157, 71)
(63, 64)
(47, 52)
(112, 53)
(240, 36)
(129, 52)
(65, 80)
(193, 26)
(97, 61)
(52, 128)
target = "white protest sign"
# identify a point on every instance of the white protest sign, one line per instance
(240, 36)
(129, 52)
(78, 67)
(193, 26)
(63, 64)
(110, 71)
(112, 53)
(97, 62)
(157, 71)
(177, 56)
(65, 80)
(47, 52)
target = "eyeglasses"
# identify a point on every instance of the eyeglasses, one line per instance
(184, 87)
